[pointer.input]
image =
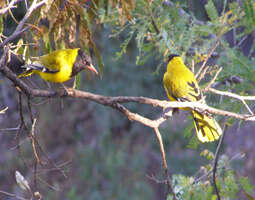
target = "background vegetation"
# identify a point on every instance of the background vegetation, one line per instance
(104, 155)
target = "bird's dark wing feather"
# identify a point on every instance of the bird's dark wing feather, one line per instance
(40, 68)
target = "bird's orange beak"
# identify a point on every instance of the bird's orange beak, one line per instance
(92, 68)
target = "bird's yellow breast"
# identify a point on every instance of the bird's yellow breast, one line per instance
(61, 60)
(177, 81)
(59, 77)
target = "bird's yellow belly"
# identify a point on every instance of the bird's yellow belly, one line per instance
(59, 77)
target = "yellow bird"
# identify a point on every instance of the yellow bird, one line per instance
(181, 85)
(59, 66)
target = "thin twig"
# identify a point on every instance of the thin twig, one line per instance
(163, 157)
(11, 5)
(216, 158)
(13, 36)
(236, 96)
(182, 12)
(153, 178)
(30, 110)
(213, 80)
(13, 195)
(35, 175)
(215, 44)
(155, 26)
(20, 129)
(203, 73)
(41, 171)
(247, 107)
(232, 95)
(49, 160)
(37, 159)
(19, 29)
(10, 129)
(50, 186)
(32, 137)
(202, 177)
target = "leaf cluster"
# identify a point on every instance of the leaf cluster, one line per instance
(229, 183)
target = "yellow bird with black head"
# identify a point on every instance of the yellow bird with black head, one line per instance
(181, 85)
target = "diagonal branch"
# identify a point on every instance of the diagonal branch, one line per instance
(163, 156)
(20, 28)
(11, 5)
(215, 163)
(215, 44)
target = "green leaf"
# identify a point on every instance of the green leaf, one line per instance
(249, 11)
(95, 50)
(193, 143)
(170, 197)
(245, 183)
(1, 25)
(211, 10)
(78, 81)
(230, 186)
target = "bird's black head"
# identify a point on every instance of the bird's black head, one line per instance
(86, 59)
(171, 56)
(83, 61)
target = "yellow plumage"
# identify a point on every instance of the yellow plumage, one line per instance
(181, 85)
(54, 60)
(60, 65)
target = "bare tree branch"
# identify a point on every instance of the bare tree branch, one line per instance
(232, 95)
(215, 44)
(13, 195)
(19, 29)
(13, 36)
(10, 6)
(163, 156)
(216, 158)
(213, 80)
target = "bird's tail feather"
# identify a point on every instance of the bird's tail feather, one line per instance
(207, 128)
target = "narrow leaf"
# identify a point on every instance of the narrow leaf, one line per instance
(211, 10)
(246, 185)
(22, 182)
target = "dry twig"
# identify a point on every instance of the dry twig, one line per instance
(163, 156)
(11, 5)
(13, 195)
(213, 80)
(215, 163)
(235, 96)
(20, 28)
(215, 44)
